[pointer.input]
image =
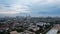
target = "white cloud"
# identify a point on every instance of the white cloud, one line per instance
(14, 9)
(8, 12)
(20, 6)
(44, 1)
(45, 5)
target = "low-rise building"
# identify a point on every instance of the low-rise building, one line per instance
(13, 32)
(25, 32)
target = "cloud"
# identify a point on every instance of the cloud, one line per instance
(20, 8)
(29, 6)
(14, 9)
(8, 12)
(45, 5)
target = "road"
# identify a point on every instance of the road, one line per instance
(52, 31)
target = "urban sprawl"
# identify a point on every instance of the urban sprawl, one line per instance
(28, 25)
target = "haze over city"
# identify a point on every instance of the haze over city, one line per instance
(29, 16)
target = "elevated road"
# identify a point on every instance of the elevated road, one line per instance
(54, 30)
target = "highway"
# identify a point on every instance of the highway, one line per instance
(52, 31)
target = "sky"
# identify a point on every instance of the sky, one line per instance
(32, 7)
